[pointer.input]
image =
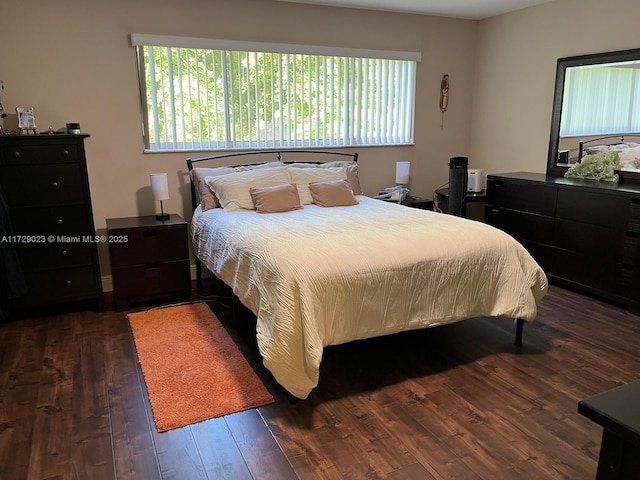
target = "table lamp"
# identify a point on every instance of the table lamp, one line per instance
(402, 172)
(160, 189)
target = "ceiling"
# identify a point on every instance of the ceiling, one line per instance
(467, 9)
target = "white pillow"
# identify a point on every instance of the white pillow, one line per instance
(302, 177)
(233, 189)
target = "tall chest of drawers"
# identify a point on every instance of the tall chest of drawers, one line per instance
(44, 182)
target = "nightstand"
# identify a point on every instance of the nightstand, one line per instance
(417, 202)
(149, 259)
(616, 410)
(474, 203)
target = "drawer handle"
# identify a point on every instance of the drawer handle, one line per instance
(64, 253)
(65, 152)
(150, 233)
(16, 154)
(68, 283)
(54, 184)
(60, 222)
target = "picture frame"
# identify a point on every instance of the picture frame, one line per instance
(26, 118)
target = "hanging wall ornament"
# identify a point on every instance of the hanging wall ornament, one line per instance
(444, 97)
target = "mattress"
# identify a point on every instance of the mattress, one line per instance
(324, 276)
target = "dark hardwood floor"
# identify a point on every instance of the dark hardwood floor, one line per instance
(453, 402)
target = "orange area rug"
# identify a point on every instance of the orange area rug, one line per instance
(192, 368)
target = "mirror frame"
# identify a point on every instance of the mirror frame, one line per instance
(562, 65)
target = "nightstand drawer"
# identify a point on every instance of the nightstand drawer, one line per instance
(149, 245)
(147, 282)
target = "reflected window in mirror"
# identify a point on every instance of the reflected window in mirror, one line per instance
(597, 108)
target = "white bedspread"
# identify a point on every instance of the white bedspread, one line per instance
(324, 276)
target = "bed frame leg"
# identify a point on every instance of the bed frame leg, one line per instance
(519, 325)
(199, 274)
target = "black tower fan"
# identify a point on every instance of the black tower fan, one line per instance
(458, 180)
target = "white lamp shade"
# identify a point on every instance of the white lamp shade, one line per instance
(159, 186)
(402, 172)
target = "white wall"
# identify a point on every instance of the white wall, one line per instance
(73, 63)
(516, 65)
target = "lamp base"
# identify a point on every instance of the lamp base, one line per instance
(162, 216)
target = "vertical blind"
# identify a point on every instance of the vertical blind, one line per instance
(212, 98)
(601, 100)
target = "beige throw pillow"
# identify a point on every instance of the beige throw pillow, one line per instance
(302, 177)
(335, 193)
(281, 198)
(351, 169)
(233, 189)
(204, 195)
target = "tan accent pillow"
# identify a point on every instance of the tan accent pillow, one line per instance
(204, 195)
(302, 177)
(233, 189)
(281, 198)
(334, 193)
(351, 167)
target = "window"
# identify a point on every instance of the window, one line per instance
(212, 94)
(601, 99)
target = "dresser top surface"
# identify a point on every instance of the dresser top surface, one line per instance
(42, 137)
(602, 187)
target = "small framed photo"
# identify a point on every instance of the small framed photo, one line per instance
(26, 120)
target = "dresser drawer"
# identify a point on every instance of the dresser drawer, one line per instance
(43, 185)
(595, 208)
(59, 286)
(590, 240)
(523, 226)
(63, 220)
(15, 153)
(47, 255)
(522, 196)
(604, 278)
(634, 216)
(145, 245)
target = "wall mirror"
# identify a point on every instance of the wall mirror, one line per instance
(596, 107)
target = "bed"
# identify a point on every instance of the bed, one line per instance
(323, 274)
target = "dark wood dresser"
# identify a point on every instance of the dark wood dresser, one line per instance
(44, 182)
(149, 259)
(584, 233)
